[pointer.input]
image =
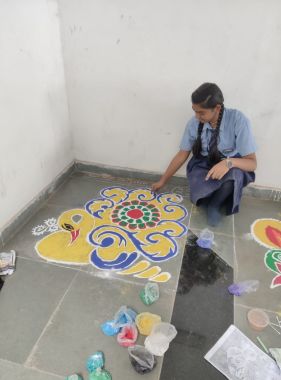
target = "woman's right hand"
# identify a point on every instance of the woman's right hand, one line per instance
(174, 165)
(157, 185)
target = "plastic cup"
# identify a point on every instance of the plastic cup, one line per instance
(258, 319)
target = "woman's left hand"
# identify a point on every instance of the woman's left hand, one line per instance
(217, 171)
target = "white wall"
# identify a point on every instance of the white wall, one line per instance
(35, 139)
(131, 66)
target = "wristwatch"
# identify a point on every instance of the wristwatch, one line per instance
(229, 163)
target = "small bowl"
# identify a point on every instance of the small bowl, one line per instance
(258, 319)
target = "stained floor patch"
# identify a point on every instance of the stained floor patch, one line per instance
(202, 312)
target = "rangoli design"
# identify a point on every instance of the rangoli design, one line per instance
(50, 225)
(116, 230)
(267, 232)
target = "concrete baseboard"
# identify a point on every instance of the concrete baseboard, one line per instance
(87, 167)
(263, 193)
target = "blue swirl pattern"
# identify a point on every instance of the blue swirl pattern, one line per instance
(118, 248)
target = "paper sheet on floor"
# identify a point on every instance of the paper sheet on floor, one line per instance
(7, 262)
(238, 358)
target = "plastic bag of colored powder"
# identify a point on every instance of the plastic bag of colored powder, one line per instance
(124, 316)
(95, 361)
(110, 328)
(150, 293)
(243, 287)
(74, 377)
(128, 335)
(146, 321)
(141, 359)
(100, 374)
(206, 238)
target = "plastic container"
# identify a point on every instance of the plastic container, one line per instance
(146, 321)
(206, 238)
(150, 293)
(258, 319)
(161, 335)
(141, 359)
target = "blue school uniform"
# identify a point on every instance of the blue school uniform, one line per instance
(235, 140)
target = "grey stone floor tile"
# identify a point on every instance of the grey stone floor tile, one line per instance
(80, 189)
(9, 371)
(75, 332)
(269, 337)
(171, 186)
(77, 191)
(27, 301)
(223, 246)
(252, 209)
(250, 258)
(101, 176)
(198, 220)
(198, 322)
(183, 355)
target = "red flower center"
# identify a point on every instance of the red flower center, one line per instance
(135, 214)
(274, 235)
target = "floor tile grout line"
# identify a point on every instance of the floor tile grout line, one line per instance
(34, 349)
(38, 261)
(235, 261)
(32, 368)
(189, 224)
(215, 232)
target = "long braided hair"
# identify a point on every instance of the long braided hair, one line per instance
(208, 95)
